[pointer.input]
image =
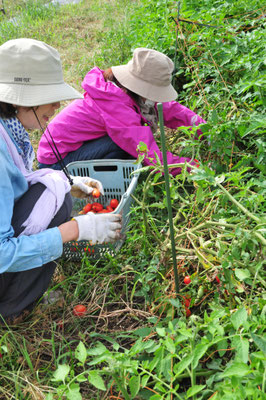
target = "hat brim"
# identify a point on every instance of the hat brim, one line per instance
(159, 94)
(37, 95)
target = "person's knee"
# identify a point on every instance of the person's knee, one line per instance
(55, 166)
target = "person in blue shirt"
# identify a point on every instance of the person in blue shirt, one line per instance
(35, 206)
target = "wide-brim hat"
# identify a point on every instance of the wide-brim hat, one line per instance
(148, 74)
(31, 74)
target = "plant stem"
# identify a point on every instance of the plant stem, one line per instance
(168, 196)
(162, 382)
(199, 373)
(242, 208)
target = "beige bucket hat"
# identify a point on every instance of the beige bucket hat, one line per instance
(31, 74)
(148, 74)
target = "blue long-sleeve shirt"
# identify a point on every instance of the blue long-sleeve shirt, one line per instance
(24, 252)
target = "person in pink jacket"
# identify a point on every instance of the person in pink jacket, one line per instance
(117, 112)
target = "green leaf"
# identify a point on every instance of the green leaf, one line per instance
(222, 346)
(242, 348)
(170, 345)
(253, 126)
(142, 147)
(134, 385)
(260, 342)
(214, 117)
(242, 274)
(158, 161)
(73, 394)
(96, 380)
(144, 380)
(194, 390)
(239, 317)
(97, 350)
(49, 396)
(183, 364)
(237, 369)
(165, 367)
(81, 353)
(198, 352)
(61, 373)
(161, 331)
(143, 332)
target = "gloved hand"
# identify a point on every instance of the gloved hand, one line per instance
(99, 228)
(83, 186)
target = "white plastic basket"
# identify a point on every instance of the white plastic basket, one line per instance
(118, 182)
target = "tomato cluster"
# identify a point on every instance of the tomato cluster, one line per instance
(187, 300)
(99, 208)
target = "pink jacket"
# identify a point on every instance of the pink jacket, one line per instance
(108, 110)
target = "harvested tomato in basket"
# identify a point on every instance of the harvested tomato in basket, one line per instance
(87, 208)
(96, 207)
(114, 203)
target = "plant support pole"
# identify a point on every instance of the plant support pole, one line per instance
(168, 197)
(176, 39)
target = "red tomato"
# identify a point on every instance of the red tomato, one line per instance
(187, 302)
(114, 203)
(60, 324)
(79, 310)
(1, 356)
(96, 207)
(217, 279)
(96, 193)
(187, 280)
(103, 211)
(197, 163)
(109, 209)
(188, 312)
(87, 208)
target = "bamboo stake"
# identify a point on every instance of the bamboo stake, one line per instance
(168, 197)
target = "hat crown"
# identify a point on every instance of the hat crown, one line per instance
(29, 62)
(151, 66)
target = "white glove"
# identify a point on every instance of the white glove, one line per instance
(99, 228)
(83, 186)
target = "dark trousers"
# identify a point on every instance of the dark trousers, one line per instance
(97, 149)
(20, 290)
